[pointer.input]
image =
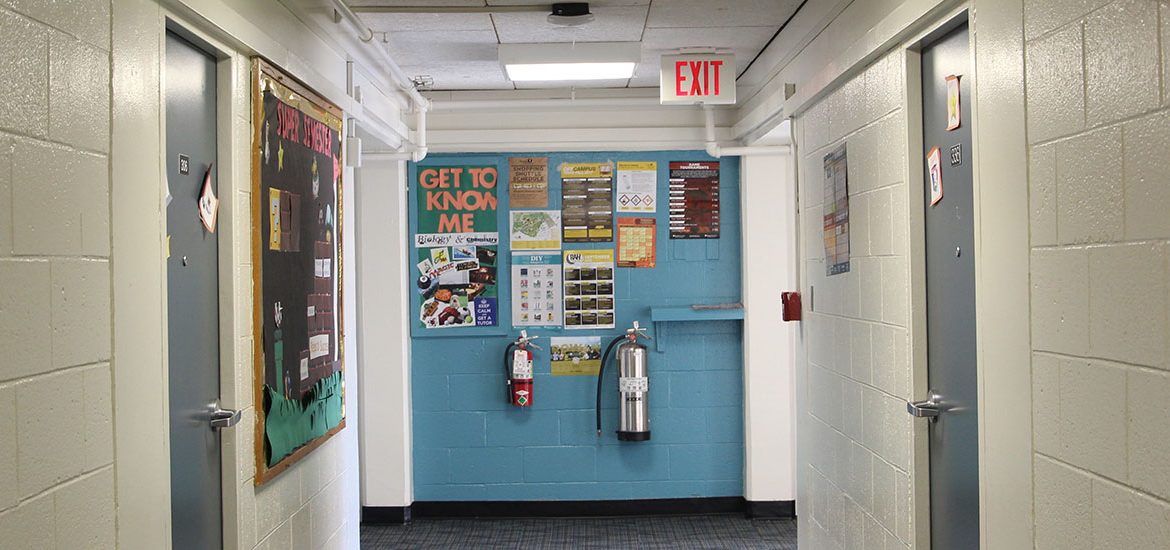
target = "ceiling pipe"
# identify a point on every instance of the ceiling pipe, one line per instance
(715, 150)
(342, 11)
(418, 151)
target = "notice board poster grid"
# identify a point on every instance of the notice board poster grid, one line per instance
(684, 265)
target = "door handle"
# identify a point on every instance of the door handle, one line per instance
(930, 408)
(224, 418)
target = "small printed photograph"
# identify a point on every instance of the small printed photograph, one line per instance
(604, 302)
(466, 266)
(588, 288)
(548, 295)
(572, 304)
(524, 272)
(523, 283)
(524, 295)
(440, 256)
(483, 274)
(425, 266)
(604, 273)
(573, 289)
(605, 288)
(572, 274)
(605, 318)
(572, 319)
(548, 272)
(588, 274)
(536, 283)
(589, 303)
(589, 318)
(465, 252)
(485, 255)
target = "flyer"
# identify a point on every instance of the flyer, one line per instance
(528, 182)
(535, 229)
(456, 245)
(536, 290)
(694, 200)
(637, 187)
(589, 295)
(836, 215)
(636, 242)
(587, 202)
(575, 356)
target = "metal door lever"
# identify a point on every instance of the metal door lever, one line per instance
(224, 418)
(929, 408)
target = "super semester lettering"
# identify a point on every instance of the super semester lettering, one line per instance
(296, 126)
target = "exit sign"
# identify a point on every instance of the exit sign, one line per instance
(697, 78)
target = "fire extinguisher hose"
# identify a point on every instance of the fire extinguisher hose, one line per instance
(600, 373)
(508, 369)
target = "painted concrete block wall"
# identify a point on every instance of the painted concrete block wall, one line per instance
(1099, 135)
(56, 437)
(855, 463)
(470, 445)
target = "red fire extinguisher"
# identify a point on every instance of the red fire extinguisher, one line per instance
(518, 370)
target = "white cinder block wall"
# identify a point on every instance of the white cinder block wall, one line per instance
(856, 490)
(56, 438)
(1099, 173)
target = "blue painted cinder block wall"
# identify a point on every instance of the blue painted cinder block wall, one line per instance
(469, 444)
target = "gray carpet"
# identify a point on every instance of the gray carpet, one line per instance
(730, 531)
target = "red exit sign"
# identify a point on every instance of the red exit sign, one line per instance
(697, 78)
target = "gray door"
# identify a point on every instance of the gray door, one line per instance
(950, 299)
(192, 299)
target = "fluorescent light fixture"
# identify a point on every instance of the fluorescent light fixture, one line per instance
(579, 61)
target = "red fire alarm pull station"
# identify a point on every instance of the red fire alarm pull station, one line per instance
(791, 301)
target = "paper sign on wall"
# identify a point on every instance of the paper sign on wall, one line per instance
(536, 290)
(575, 356)
(535, 229)
(836, 211)
(636, 242)
(589, 296)
(954, 117)
(587, 202)
(528, 182)
(934, 168)
(637, 187)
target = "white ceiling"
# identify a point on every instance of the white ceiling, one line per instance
(459, 50)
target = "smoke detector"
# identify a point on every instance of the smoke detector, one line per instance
(570, 14)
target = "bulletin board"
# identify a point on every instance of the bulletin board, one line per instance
(297, 273)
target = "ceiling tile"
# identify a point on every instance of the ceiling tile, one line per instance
(463, 76)
(431, 48)
(733, 38)
(725, 13)
(612, 24)
(391, 22)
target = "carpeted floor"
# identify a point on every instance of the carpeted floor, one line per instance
(730, 531)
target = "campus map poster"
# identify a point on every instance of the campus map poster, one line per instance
(836, 217)
(456, 245)
(589, 296)
(587, 202)
(297, 313)
(694, 200)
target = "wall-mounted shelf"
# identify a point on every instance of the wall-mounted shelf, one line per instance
(668, 314)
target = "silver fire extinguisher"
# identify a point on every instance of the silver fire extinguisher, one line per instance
(633, 386)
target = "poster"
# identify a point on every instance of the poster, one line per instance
(637, 187)
(296, 272)
(934, 168)
(836, 214)
(456, 245)
(575, 356)
(589, 296)
(954, 117)
(587, 202)
(694, 200)
(536, 290)
(636, 242)
(528, 182)
(535, 229)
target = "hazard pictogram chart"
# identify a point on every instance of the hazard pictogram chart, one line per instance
(637, 187)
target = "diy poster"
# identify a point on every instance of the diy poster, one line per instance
(575, 356)
(535, 229)
(528, 182)
(694, 200)
(636, 242)
(836, 216)
(587, 202)
(456, 246)
(536, 290)
(296, 273)
(589, 296)
(637, 187)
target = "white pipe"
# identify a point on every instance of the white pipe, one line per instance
(366, 35)
(419, 149)
(716, 151)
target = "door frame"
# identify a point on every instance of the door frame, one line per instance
(1002, 327)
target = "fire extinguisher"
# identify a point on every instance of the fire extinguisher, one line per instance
(633, 386)
(518, 370)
